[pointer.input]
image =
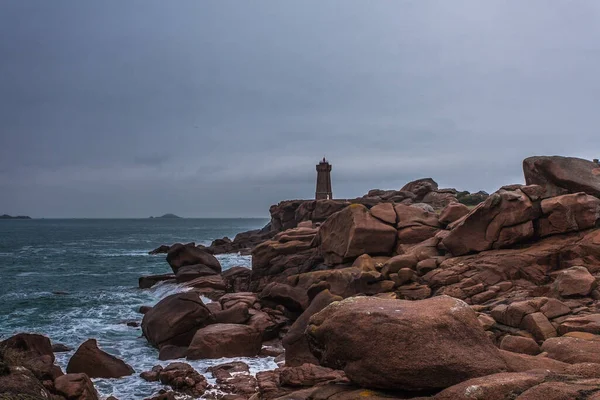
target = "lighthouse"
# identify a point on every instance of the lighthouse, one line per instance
(323, 181)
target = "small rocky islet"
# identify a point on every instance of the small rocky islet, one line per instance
(421, 293)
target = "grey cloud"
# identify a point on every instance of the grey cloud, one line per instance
(218, 108)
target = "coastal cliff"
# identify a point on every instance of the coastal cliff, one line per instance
(386, 299)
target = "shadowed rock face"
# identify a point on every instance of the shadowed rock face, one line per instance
(561, 175)
(89, 359)
(397, 344)
(175, 320)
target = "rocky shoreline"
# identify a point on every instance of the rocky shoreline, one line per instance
(422, 293)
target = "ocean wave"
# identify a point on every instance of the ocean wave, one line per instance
(234, 259)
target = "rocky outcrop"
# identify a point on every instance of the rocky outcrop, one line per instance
(561, 175)
(175, 320)
(95, 363)
(400, 352)
(288, 253)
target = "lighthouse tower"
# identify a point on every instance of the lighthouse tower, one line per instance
(324, 181)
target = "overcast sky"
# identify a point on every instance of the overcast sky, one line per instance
(218, 108)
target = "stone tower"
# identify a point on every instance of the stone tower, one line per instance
(323, 181)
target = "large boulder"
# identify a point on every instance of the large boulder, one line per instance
(396, 344)
(504, 219)
(352, 232)
(296, 347)
(561, 175)
(76, 386)
(225, 340)
(180, 255)
(420, 187)
(568, 213)
(175, 319)
(95, 363)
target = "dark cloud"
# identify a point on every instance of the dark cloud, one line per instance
(219, 108)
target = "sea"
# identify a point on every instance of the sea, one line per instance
(75, 279)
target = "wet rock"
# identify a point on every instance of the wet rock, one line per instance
(95, 363)
(144, 309)
(183, 378)
(175, 320)
(170, 352)
(190, 272)
(76, 386)
(225, 340)
(20, 383)
(211, 286)
(162, 249)
(60, 348)
(180, 255)
(33, 352)
(234, 378)
(386, 360)
(146, 282)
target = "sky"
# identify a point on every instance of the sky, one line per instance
(221, 108)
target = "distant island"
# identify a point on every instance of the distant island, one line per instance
(6, 216)
(168, 216)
